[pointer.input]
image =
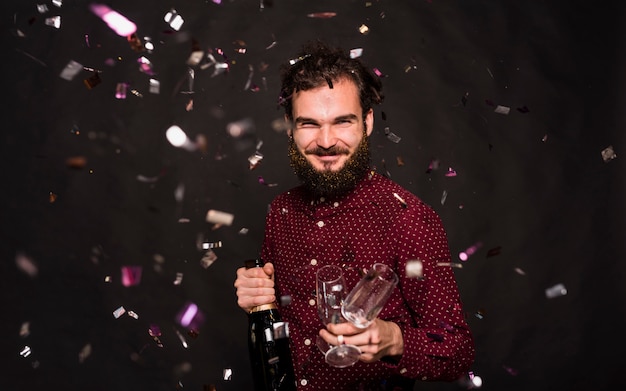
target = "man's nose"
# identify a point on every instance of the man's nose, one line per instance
(326, 137)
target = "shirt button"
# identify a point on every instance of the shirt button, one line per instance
(313, 261)
(320, 224)
(304, 382)
(312, 302)
(307, 342)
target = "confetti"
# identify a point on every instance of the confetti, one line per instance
(190, 316)
(206, 246)
(219, 217)
(92, 80)
(179, 279)
(510, 371)
(52, 197)
(322, 15)
(480, 314)
(178, 138)
(182, 339)
(363, 29)
(120, 90)
(444, 196)
(54, 21)
(433, 165)
(298, 59)
(464, 255)
(519, 271)
(119, 312)
(242, 127)
(155, 86)
(25, 329)
(208, 259)
(414, 269)
(71, 70)
(608, 154)
(391, 136)
(145, 65)
(116, 21)
(502, 110)
(227, 374)
(556, 291)
(84, 353)
(451, 172)
(26, 264)
(131, 275)
(76, 162)
(355, 53)
(195, 57)
(451, 264)
(25, 352)
(262, 182)
(402, 201)
(173, 19)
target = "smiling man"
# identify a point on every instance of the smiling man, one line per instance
(328, 143)
(346, 214)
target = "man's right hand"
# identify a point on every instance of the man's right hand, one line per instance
(255, 286)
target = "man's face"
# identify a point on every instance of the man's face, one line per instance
(329, 150)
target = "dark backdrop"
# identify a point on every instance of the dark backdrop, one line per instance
(532, 192)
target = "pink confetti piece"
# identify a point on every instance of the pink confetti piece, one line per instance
(451, 172)
(131, 275)
(433, 165)
(119, 312)
(116, 21)
(510, 371)
(322, 15)
(190, 316)
(464, 255)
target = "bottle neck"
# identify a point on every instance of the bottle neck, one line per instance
(263, 307)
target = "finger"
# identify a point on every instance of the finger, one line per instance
(268, 268)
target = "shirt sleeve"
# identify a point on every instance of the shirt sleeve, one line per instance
(438, 344)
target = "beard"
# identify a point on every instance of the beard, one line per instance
(327, 183)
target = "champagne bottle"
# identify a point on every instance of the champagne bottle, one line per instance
(268, 345)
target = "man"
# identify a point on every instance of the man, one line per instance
(348, 215)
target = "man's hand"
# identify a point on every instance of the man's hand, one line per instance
(255, 286)
(381, 338)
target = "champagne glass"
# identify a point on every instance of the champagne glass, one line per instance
(331, 292)
(367, 298)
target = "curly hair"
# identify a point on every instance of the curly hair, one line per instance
(318, 63)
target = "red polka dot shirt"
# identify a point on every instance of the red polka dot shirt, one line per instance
(367, 226)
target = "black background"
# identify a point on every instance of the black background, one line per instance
(532, 183)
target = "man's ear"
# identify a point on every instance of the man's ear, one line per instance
(289, 126)
(369, 122)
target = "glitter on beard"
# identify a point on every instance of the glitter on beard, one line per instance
(328, 183)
